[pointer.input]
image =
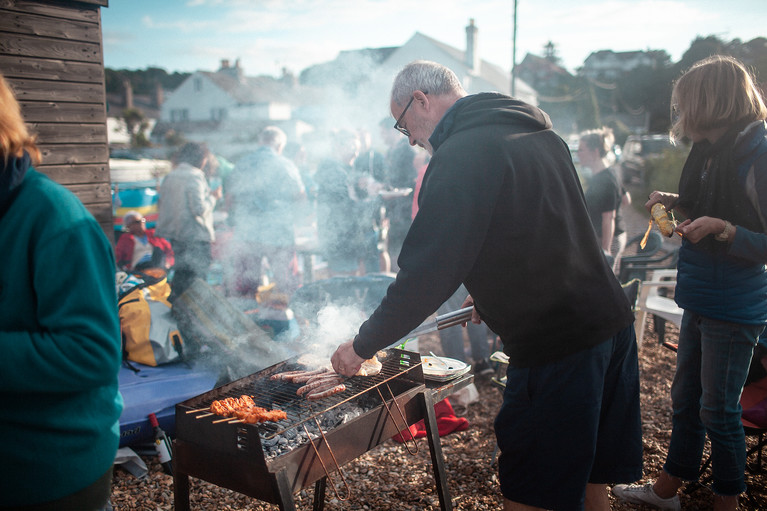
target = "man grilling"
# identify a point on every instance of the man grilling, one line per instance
(501, 211)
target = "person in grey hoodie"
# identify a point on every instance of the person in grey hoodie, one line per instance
(501, 210)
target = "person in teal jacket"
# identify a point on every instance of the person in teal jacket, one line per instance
(59, 337)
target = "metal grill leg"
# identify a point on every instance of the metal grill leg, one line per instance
(286, 502)
(181, 491)
(319, 494)
(435, 448)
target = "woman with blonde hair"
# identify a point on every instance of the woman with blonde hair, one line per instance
(721, 276)
(59, 336)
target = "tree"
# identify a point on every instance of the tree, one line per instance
(136, 123)
(648, 90)
(142, 81)
(701, 48)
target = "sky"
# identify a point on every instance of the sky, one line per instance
(269, 35)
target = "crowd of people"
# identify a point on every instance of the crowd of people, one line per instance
(498, 221)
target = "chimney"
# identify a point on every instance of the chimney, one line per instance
(159, 96)
(235, 71)
(238, 70)
(472, 55)
(128, 91)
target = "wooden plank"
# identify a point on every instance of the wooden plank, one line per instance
(92, 193)
(76, 174)
(102, 211)
(46, 111)
(69, 133)
(43, 47)
(102, 3)
(42, 90)
(109, 231)
(46, 69)
(78, 11)
(73, 154)
(45, 26)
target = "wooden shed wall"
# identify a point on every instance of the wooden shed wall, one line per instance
(51, 53)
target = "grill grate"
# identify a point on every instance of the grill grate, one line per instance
(281, 394)
(239, 455)
(400, 371)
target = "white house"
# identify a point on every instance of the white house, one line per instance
(226, 94)
(610, 65)
(357, 84)
(226, 109)
(476, 75)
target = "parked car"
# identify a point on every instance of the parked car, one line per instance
(636, 150)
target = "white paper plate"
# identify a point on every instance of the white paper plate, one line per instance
(395, 193)
(443, 368)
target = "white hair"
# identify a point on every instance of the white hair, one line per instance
(426, 76)
(273, 137)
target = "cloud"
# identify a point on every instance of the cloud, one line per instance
(183, 25)
(578, 29)
(269, 34)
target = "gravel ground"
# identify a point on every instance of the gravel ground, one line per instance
(388, 477)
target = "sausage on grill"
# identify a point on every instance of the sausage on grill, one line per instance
(317, 383)
(303, 378)
(324, 392)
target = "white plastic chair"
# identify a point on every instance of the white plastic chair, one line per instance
(651, 302)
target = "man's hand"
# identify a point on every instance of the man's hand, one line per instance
(345, 360)
(469, 302)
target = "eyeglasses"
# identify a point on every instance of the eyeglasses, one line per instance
(397, 125)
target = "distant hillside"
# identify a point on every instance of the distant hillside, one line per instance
(144, 81)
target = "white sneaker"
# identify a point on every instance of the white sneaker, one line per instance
(644, 494)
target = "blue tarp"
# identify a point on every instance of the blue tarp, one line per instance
(157, 390)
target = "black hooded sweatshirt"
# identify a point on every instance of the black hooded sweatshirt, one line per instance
(501, 210)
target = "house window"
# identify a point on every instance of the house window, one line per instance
(179, 115)
(217, 114)
(197, 84)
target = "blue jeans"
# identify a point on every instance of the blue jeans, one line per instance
(711, 368)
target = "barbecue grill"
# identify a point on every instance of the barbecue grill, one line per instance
(271, 461)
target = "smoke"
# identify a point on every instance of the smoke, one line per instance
(334, 325)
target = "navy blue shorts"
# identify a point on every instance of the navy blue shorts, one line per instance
(569, 423)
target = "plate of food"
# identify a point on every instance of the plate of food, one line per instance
(443, 368)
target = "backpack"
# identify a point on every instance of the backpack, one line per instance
(150, 335)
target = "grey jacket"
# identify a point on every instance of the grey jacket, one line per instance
(186, 206)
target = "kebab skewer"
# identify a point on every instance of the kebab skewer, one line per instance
(244, 409)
